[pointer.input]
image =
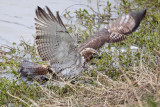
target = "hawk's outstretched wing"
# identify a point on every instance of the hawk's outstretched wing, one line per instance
(116, 31)
(55, 44)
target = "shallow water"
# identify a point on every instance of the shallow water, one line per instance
(17, 16)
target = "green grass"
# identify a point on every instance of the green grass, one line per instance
(135, 83)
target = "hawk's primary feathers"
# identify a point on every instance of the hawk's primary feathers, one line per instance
(115, 31)
(55, 44)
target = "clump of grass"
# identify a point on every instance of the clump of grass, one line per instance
(16, 93)
(131, 88)
(130, 78)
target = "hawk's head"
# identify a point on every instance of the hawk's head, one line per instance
(89, 53)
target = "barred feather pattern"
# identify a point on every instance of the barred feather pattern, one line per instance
(116, 31)
(55, 44)
(122, 26)
(116, 37)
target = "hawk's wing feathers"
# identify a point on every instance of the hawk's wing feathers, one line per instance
(55, 44)
(52, 37)
(116, 31)
(125, 25)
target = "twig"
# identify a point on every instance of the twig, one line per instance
(18, 98)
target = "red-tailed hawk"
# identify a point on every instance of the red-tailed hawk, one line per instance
(56, 45)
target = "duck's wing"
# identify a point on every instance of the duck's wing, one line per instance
(116, 31)
(30, 69)
(55, 44)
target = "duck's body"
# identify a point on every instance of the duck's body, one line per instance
(34, 70)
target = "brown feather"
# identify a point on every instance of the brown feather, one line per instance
(30, 68)
(115, 32)
(96, 41)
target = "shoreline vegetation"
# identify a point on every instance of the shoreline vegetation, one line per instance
(120, 78)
